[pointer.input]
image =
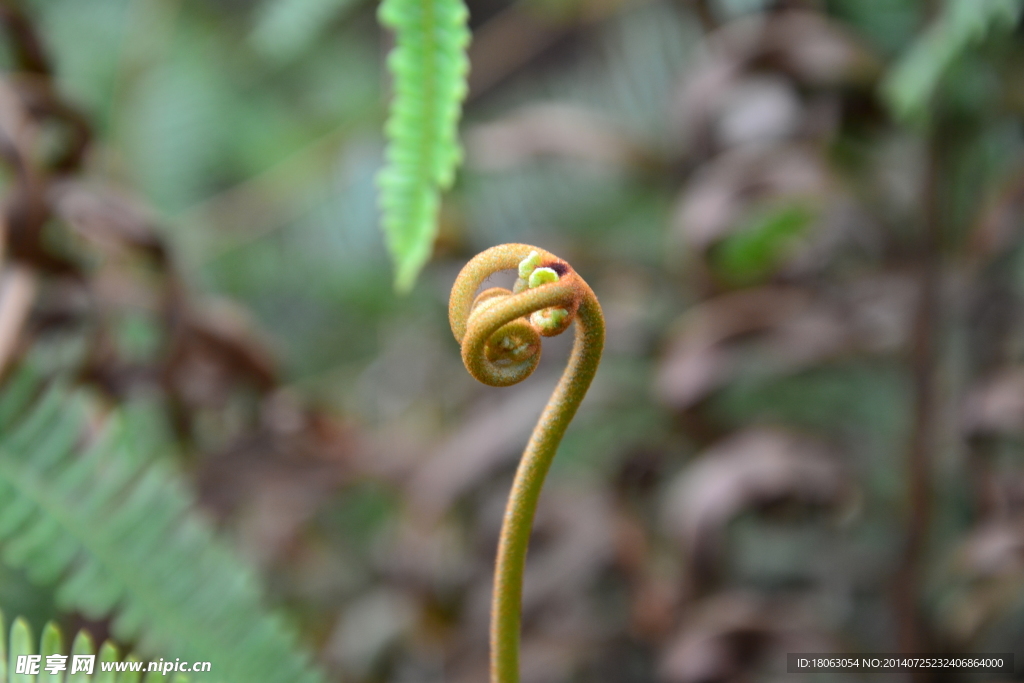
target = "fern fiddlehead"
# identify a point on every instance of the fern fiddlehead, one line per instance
(500, 333)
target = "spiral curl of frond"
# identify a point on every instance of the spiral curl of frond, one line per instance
(500, 332)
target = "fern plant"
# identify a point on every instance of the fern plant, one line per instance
(118, 534)
(51, 642)
(429, 66)
(500, 333)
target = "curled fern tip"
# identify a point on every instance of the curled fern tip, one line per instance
(500, 332)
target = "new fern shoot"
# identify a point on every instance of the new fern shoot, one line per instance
(500, 333)
(499, 329)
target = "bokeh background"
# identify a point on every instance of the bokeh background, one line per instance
(807, 433)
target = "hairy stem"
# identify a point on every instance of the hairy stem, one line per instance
(484, 328)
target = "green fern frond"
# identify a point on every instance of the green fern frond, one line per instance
(51, 642)
(909, 87)
(429, 66)
(117, 533)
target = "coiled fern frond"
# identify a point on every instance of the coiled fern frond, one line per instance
(51, 642)
(500, 334)
(429, 66)
(118, 533)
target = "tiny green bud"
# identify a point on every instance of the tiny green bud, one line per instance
(550, 321)
(542, 276)
(528, 264)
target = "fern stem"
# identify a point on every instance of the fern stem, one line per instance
(500, 347)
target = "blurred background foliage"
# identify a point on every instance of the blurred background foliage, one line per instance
(802, 220)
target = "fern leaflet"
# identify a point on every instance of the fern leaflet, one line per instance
(909, 87)
(119, 534)
(51, 642)
(429, 66)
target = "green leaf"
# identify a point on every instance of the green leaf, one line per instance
(82, 645)
(21, 644)
(108, 653)
(429, 66)
(911, 84)
(3, 648)
(130, 676)
(119, 533)
(51, 643)
(754, 250)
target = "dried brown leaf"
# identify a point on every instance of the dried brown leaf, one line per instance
(818, 51)
(782, 330)
(105, 215)
(729, 637)
(217, 346)
(698, 359)
(795, 48)
(17, 292)
(987, 577)
(992, 549)
(757, 467)
(19, 131)
(722, 193)
(996, 405)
